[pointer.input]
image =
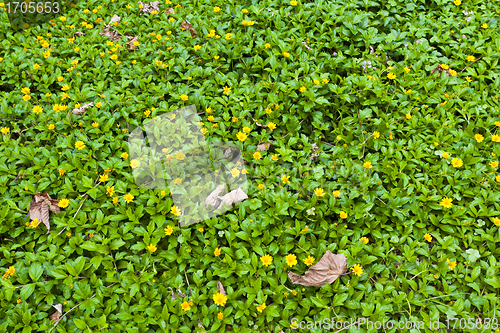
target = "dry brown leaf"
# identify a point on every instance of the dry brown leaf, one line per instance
(264, 146)
(82, 109)
(56, 316)
(114, 36)
(187, 26)
(327, 270)
(40, 206)
(438, 68)
(115, 18)
(148, 8)
(130, 45)
(173, 298)
(213, 198)
(234, 196)
(170, 11)
(78, 34)
(179, 292)
(315, 154)
(220, 287)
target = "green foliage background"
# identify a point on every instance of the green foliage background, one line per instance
(117, 285)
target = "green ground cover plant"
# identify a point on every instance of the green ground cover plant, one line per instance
(369, 130)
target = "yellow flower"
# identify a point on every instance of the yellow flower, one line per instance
(293, 3)
(451, 264)
(220, 315)
(95, 124)
(267, 45)
(285, 179)
(266, 260)
(178, 181)
(494, 164)
(343, 215)
(271, 126)
(261, 186)
(274, 157)
(26, 97)
(104, 177)
(220, 299)
(309, 261)
(496, 220)
(217, 251)
(457, 2)
(197, 47)
(168, 230)
(445, 155)
(468, 78)
(457, 163)
(479, 137)
(484, 26)
(446, 202)
(61, 172)
(180, 156)
(364, 239)
(391, 76)
(79, 145)
(336, 194)
(216, 9)
(408, 116)
(495, 138)
(247, 129)
(453, 72)
(128, 197)
(428, 237)
(5, 130)
(110, 190)
(152, 248)
(184, 97)
(98, 104)
(368, 165)
(25, 90)
(134, 163)
(115, 200)
(34, 223)
(227, 90)
(319, 192)
(241, 136)
(291, 260)
(210, 118)
(63, 203)
(257, 155)
(185, 306)
(357, 270)
(174, 210)
(286, 54)
(228, 36)
(124, 155)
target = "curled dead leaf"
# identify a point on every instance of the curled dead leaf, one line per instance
(56, 316)
(130, 44)
(40, 206)
(82, 109)
(148, 8)
(220, 287)
(78, 34)
(213, 198)
(326, 271)
(115, 18)
(179, 292)
(169, 11)
(114, 36)
(264, 146)
(234, 196)
(187, 26)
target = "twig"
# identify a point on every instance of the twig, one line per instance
(393, 208)
(470, 64)
(362, 134)
(74, 215)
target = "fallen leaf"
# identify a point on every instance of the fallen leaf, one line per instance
(173, 298)
(170, 11)
(315, 154)
(115, 18)
(213, 198)
(186, 25)
(179, 292)
(130, 44)
(114, 36)
(305, 44)
(82, 109)
(327, 270)
(229, 151)
(56, 316)
(234, 196)
(78, 34)
(148, 8)
(220, 287)
(40, 206)
(257, 123)
(263, 146)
